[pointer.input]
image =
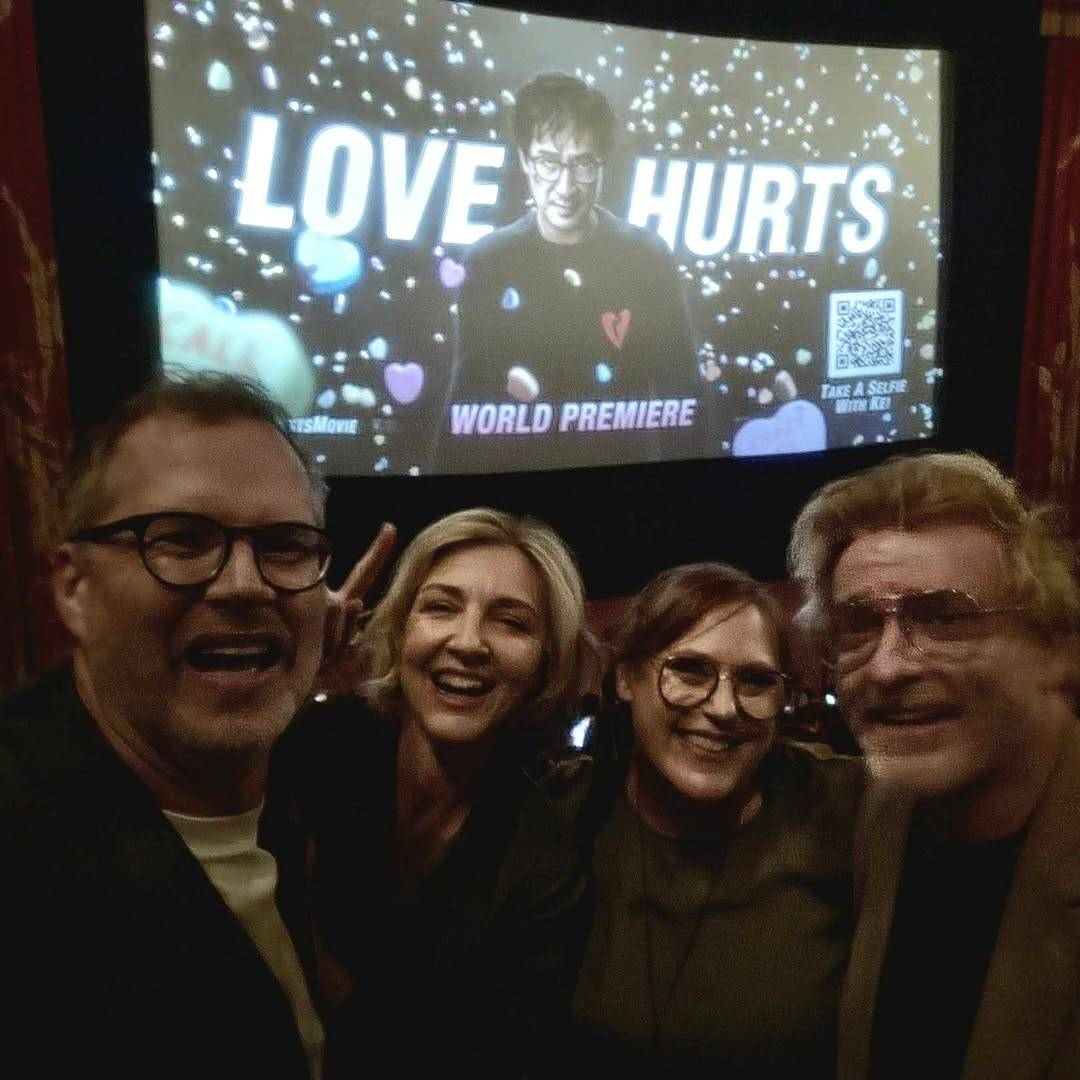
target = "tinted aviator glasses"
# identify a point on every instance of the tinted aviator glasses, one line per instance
(686, 682)
(582, 170)
(936, 623)
(189, 550)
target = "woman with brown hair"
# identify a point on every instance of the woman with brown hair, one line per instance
(722, 854)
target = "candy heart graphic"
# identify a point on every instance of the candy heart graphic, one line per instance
(219, 77)
(616, 326)
(404, 381)
(330, 263)
(451, 273)
(522, 384)
(795, 428)
(199, 334)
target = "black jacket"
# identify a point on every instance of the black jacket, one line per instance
(473, 977)
(120, 957)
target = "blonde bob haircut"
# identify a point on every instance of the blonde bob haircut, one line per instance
(937, 488)
(567, 649)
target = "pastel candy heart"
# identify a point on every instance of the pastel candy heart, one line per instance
(198, 334)
(404, 381)
(795, 428)
(785, 387)
(511, 299)
(358, 395)
(451, 272)
(522, 384)
(330, 263)
(710, 370)
(616, 326)
(219, 77)
(378, 348)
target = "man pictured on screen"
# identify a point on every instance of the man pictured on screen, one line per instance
(570, 304)
(952, 616)
(153, 887)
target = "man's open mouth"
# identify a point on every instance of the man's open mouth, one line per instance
(233, 655)
(912, 717)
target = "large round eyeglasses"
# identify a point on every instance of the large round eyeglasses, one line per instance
(941, 623)
(188, 550)
(688, 681)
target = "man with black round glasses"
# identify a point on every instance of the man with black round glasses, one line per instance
(153, 888)
(569, 303)
(952, 618)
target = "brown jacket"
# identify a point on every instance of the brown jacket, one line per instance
(1028, 1023)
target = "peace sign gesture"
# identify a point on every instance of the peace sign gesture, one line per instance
(346, 603)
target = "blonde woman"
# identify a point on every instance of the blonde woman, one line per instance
(445, 884)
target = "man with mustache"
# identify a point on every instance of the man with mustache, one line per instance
(951, 615)
(569, 302)
(153, 887)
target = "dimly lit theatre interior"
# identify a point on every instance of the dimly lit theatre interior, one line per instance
(540, 538)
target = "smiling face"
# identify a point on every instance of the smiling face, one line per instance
(942, 724)
(565, 206)
(474, 643)
(181, 676)
(709, 753)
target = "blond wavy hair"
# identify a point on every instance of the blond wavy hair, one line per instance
(567, 646)
(925, 489)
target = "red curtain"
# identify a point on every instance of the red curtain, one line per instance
(34, 418)
(1048, 421)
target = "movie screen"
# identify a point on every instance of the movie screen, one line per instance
(456, 239)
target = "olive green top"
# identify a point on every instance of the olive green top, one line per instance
(728, 954)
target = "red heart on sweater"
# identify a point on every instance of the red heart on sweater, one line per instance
(616, 326)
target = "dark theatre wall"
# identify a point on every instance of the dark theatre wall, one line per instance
(625, 523)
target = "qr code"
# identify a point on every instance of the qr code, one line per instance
(866, 333)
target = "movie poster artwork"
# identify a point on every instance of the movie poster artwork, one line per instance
(745, 262)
